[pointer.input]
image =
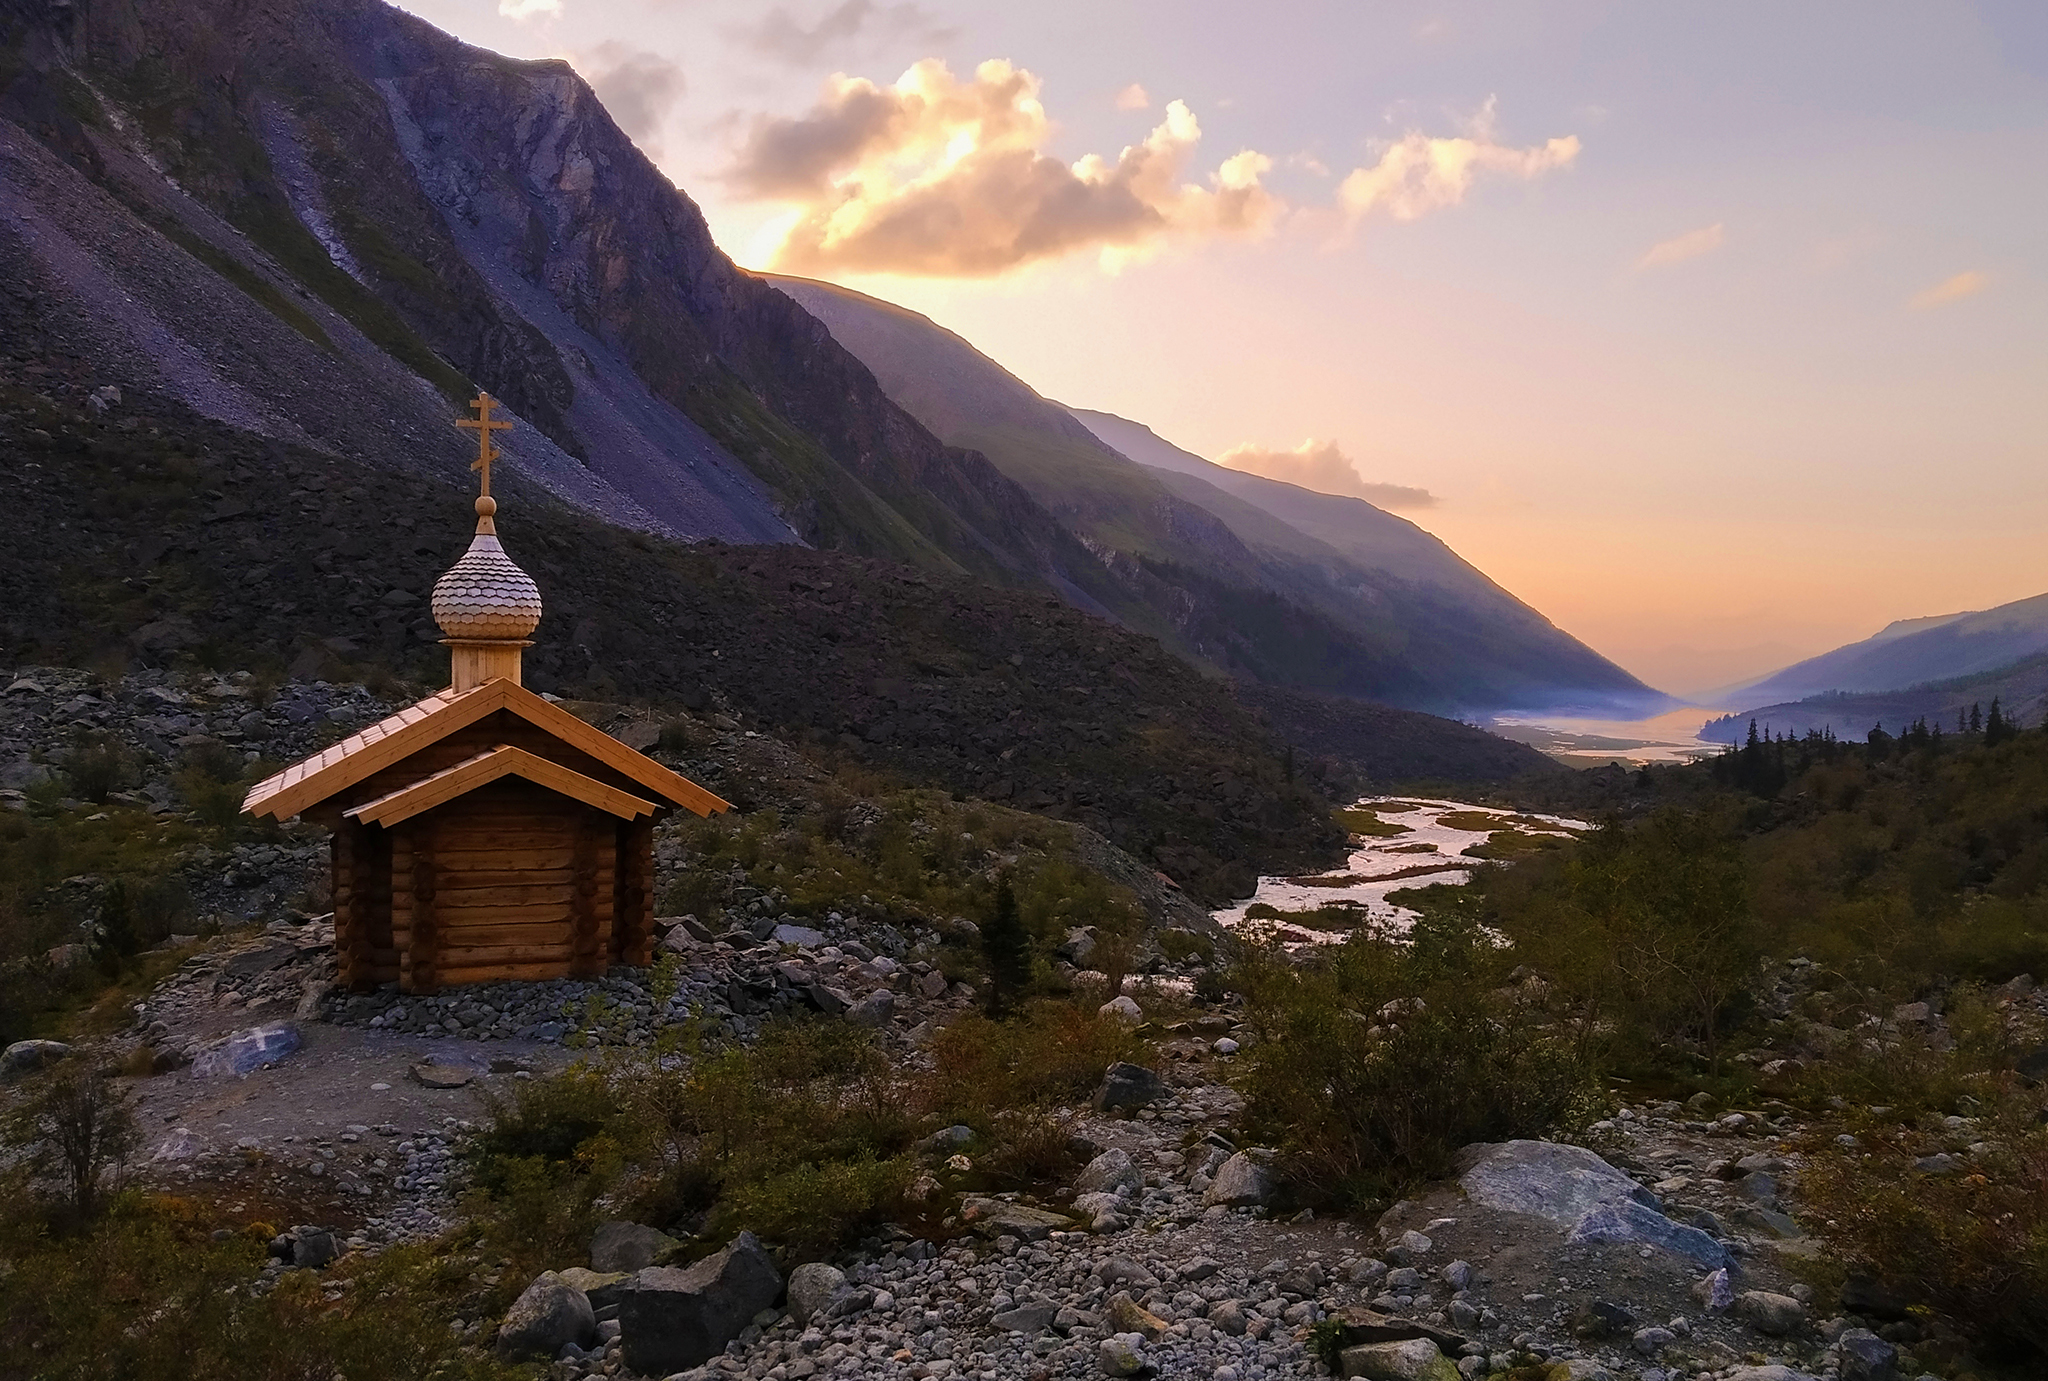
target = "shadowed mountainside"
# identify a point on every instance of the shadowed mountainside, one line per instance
(1396, 617)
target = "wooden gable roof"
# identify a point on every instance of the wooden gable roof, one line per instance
(391, 740)
(487, 767)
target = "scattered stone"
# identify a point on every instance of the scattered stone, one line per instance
(673, 1317)
(1112, 1172)
(627, 1247)
(1866, 1357)
(1772, 1314)
(1577, 1190)
(995, 1218)
(247, 1050)
(435, 1074)
(549, 1315)
(23, 1056)
(1715, 1291)
(1415, 1359)
(1123, 1008)
(812, 1287)
(1126, 1315)
(1127, 1087)
(1123, 1355)
(1243, 1181)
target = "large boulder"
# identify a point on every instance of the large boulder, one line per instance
(627, 1246)
(1127, 1087)
(1243, 1181)
(1866, 1357)
(1576, 1190)
(548, 1315)
(996, 1218)
(23, 1056)
(812, 1288)
(1112, 1172)
(672, 1318)
(1772, 1314)
(247, 1050)
(1415, 1359)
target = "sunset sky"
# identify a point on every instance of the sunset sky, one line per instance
(1719, 333)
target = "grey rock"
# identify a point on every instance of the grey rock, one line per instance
(1243, 1181)
(1127, 1087)
(947, 1139)
(1413, 1359)
(1715, 1291)
(811, 1289)
(1033, 1317)
(1457, 1275)
(435, 1074)
(1227, 1316)
(1112, 1172)
(601, 1288)
(313, 1247)
(1772, 1314)
(1866, 1357)
(874, 1010)
(627, 1246)
(1578, 1191)
(23, 1056)
(995, 1218)
(1652, 1341)
(548, 1315)
(831, 1001)
(673, 1318)
(247, 1050)
(801, 936)
(1121, 1270)
(1122, 1355)
(1776, 1371)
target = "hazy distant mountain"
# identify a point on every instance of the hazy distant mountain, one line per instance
(2021, 687)
(1913, 652)
(1371, 536)
(1368, 606)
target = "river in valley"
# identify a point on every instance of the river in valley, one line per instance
(1396, 842)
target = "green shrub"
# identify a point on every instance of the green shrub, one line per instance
(1378, 1060)
(97, 767)
(1052, 1052)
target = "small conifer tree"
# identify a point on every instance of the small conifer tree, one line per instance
(1006, 945)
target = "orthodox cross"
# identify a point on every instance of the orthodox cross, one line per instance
(483, 425)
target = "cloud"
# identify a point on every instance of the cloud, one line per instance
(779, 35)
(639, 88)
(1952, 290)
(1679, 248)
(1421, 173)
(1133, 97)
(941, 176)
(528, 9)
(1320, 466)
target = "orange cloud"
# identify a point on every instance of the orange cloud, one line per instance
(1321, 466)
(1680, 248)
(1421, 173)
(943, 177)
(1955, 289)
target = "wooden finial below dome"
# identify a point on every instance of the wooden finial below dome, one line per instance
(485, 603)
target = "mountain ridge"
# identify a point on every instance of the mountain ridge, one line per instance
(1912, 652)
(1322, 621)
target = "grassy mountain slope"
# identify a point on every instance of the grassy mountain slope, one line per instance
(2021, 687)
(152, 536)
(1914, 651)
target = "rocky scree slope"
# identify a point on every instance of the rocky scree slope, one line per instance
(146, 536)
(1409, 624)
(414, 217)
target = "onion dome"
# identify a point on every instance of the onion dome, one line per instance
(484, 597)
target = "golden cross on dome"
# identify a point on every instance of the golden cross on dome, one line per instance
(483, 425)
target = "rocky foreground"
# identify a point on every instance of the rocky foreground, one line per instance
(1665, 1248)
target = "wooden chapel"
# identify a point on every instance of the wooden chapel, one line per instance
(485, 833)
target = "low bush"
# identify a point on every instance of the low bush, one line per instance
(1378, 1060)
(1974, 1245)
(146, 1291)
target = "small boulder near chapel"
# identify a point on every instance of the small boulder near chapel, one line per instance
(485, 833)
